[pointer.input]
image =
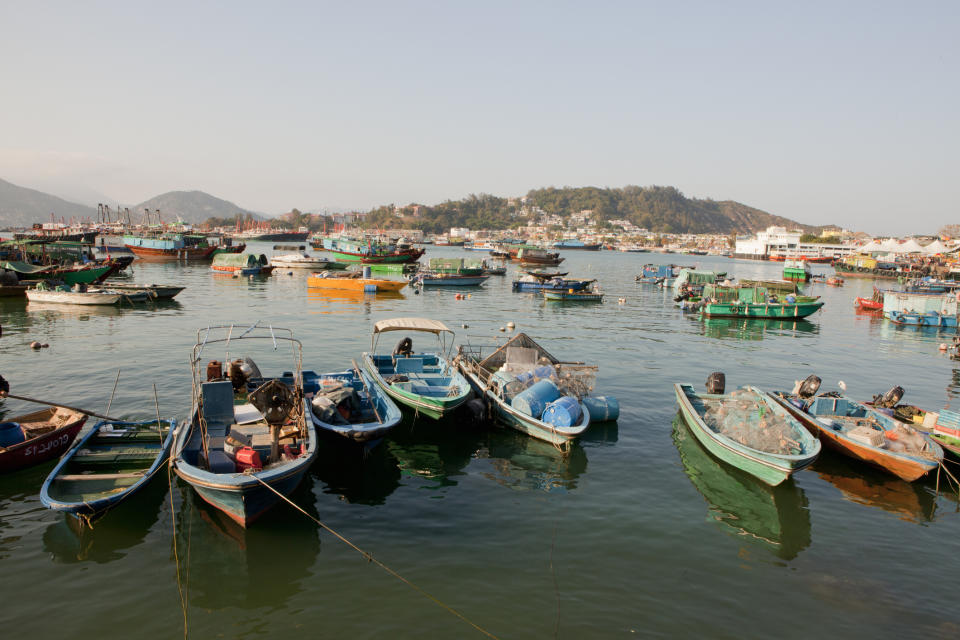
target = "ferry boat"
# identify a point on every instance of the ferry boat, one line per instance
(479, 246)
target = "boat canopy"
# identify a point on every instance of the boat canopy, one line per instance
(237, 260)
(411, 324)
(26, 269)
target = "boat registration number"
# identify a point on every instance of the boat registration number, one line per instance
(40, 449)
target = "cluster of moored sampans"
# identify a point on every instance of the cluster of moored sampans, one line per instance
(251, 436)
(772, 435)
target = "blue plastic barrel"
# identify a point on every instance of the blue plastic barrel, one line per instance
(602, 408)
(563, 412)
(370, 288)
(545, 371)
(534, 400)
(11, 434)
(367, 271)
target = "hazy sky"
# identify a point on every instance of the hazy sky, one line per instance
(833, 112)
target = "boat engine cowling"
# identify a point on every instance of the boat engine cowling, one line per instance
(809, 386)
(890, 399)
(716, 382)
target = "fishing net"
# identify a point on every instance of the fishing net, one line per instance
(745, 418)
(521, 363)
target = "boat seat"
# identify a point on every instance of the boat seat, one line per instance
(409, 365)
(217, 399)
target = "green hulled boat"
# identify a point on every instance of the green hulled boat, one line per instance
(754, 302)
(370, 251)
(426, 382)
(87, 274)
(796, 270)
(770, 466)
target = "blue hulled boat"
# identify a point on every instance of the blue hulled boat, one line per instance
(349, 404)
(533, 281)
(247, 443)
(111, 463)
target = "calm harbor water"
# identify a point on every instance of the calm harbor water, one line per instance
(636, 531)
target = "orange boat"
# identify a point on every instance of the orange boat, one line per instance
(353, 281)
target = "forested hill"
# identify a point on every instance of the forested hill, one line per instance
(658, 209)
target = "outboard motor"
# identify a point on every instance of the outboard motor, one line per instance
(716, 382)
(809, 386)
(890, 399)
(238, 377)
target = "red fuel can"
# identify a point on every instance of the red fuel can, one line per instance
(248, 458)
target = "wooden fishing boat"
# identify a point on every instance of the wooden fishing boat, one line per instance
(305, 261)
(73, 297)
(109, 464)
(864, 433)
(370, 251)
(430, 279)
(943, 426)
(170, 246)
(349, 404)
(928, 319)
(247, 443)
(770, 466)
(36, 437)
(245, 264)
(835, 281)
(571, 296)
(534, 255)
(352, 281)
(426, 381)
(516, 368)
(90, 273)
(155, 291)
(796, 270)
(538, 282)
(777, 311)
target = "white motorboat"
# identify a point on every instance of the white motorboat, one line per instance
(304, 261)
(74, 297)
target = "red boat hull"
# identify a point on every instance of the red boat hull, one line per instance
(869, 305)
(901, 467)
(40, 449)
(189, 253)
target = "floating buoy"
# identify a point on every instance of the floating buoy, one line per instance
(35, 345)
(622, 300)
(842, 385)
(45, 345)
(464, 326)
(511, 326)
(289, 273)
(503, 328)
(416, 291)
(469, 295)
(943, 346)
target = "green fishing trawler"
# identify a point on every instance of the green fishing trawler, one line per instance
(371, 250)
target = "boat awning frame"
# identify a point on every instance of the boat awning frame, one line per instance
(424, 325)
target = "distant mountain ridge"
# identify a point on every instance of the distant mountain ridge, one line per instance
(22, 207)
(191, 206)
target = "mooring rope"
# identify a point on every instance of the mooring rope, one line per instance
(176, 557)
(369, 557)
